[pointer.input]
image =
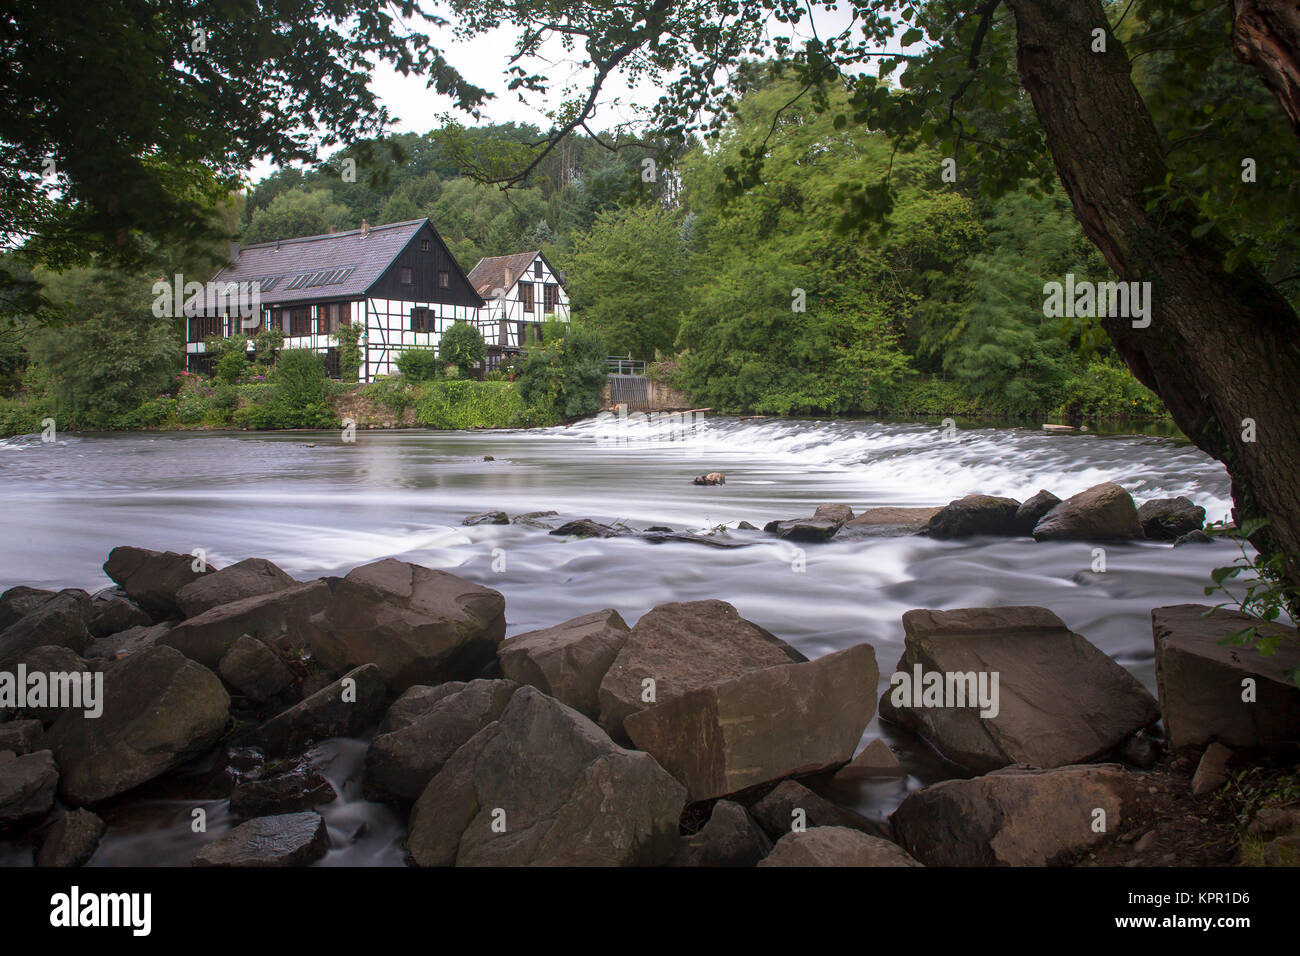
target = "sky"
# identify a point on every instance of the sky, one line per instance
(483, 61)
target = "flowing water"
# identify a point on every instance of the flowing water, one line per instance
(317, 505)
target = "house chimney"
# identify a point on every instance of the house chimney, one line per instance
(234, 253)
(365, 228)
(507, 279)
(277, 243)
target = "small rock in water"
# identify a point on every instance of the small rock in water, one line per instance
(487, 517)
(586, 528)
(712, 478)
(290, 839)
(1193, 537)
(296, 790)
(876, 760)
(72, 840)
(488, 458)
(745, 526)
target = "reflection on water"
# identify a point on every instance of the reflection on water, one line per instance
(315, 506)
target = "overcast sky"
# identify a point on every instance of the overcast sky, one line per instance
(483, 61)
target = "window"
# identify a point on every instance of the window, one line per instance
(277, 320)
(526, 293)
(419, 320)
(444, 279)
(406, 275)
(550, 295)
(332, 315)
(205, 327)
(300, 321)
(537, 269)
(424, 245)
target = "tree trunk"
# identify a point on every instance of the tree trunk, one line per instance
(1221, 348)
(1266, 35)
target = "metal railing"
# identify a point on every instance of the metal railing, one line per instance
(619, 365)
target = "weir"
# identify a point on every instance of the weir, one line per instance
(631, 390)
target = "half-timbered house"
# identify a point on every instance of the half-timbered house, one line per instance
(398, 280)
(520, 292)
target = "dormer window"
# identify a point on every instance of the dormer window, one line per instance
(406, 275)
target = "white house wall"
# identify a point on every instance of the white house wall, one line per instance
(510, 307)
(388, 330)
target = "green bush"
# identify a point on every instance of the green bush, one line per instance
(462, 345)
(348, 338)
(152, 413)
(419, 365)
(468, 404)
(563, 376)
(395, 394)
(1106, 389)
(231, 367)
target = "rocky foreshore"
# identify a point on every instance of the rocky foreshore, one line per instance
(692, 738)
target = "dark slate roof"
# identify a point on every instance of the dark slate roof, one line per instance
(490, 273)
(333, 266)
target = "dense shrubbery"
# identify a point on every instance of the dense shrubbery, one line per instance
(468, 404)
(562, 376)
(462, 345)
(420, 365)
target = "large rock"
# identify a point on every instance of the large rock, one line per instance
(125, 643)
(1032, 510)
(72, 840)
(112, 612)
(290, 619)
(19, 601)
(834, 512)
(1059, 699)
(284, 793)
(251, 577)
(567, 661)
(682, 647)
(792, 806)
(402, 760)
(289, 839)
(975, 514)
(63, 672)
(344, 708)
(730, 838)
(836, 846)
(1104, 512)
(804, 529)
(21, 736)
(27, 786)
(419, 625)
(152, 578)
(887, 523)
(558, 790)
(61, 621)
(159, 710)
(1016, 816)
(254, 669)
(1167, 519)
(586, 528)
(764, 725)
(1202, 682)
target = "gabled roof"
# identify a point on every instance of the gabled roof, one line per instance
(490, 273)
(332, 266)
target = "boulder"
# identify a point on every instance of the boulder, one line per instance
(586, 528)
(1057, 699)
(1202, 682)
(18, 601)
(1032, 510)
(1212, 771)
(681, 647)
(874, 517)
(1167, 519)
(290, 619)
(251, 577)
(764, 725)
(61, 621)
(21, 736)
(124, 643)
(544, 786)
(1103, 512)
(284, 793)
(254, 669)
(804, 529)
(111, 612)
(49, 661)
(344, 708)
(834, 512)
(159, 710)
(836, 846)
(1193, 537)
(567, 661)
(730, 838)
(533, 519)
(875, 760)
(152, 578)
(72, 840)
(288, 839)
(487, 517)
(974, 514)
(419, 625)
(415, 702)
(791, 805)
(402, 760)
(27, 786)
(1016, 816)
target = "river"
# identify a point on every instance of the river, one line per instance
(315, 505)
